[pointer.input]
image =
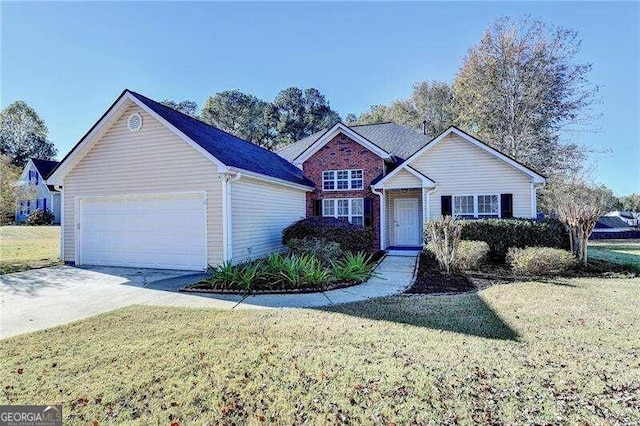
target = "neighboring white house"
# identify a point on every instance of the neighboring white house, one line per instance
(631, 218)
(41, 196)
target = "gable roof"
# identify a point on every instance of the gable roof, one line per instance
(44, 167)
(536, 177)
(397, 140)
(223, 148)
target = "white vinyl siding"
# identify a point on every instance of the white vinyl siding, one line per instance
(460, 168)
(151, 161)
(403, 179)
(260, 212)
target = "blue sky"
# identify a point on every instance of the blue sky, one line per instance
(71, 60)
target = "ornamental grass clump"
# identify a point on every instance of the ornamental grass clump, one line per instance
(353, 267)
(443, 237)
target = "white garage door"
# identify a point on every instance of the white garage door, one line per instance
(162, 231)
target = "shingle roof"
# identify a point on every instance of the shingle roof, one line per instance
(45, 167)
(609, 222)
(399, 141)
(229, 149)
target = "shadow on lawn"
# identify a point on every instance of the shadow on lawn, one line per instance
(465, 314)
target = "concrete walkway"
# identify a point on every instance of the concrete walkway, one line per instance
(42, 298)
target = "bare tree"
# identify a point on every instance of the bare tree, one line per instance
(579, 205)
(444, 236)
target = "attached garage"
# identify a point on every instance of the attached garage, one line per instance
(152, 231)
(149, 187)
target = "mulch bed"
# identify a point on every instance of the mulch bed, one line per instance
(430, 280)
(265, 287)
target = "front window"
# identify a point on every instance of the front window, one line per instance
(342, 180)
(476, 206)
(463, 206)
(488, 206)
(350, 209)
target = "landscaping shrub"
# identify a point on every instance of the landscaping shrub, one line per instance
(501, 234)
(290, 271)
(443, 236)
(41, 217)
(324, 250)
(540, 260)
(353, 238)
(471, 254)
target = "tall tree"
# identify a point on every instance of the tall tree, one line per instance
(430, 102)
(630, 202)
(520, 89)
(242, 115)
(377, 114)
(23, 134)
(301, 113)
(187, 107)
(10, 193)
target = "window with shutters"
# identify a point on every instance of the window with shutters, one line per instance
(351, 209)
(342, 180)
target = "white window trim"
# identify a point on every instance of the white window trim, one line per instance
(475, 196)
(335, 180)
(335, 208)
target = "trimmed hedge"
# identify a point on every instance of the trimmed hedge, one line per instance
(324, 250)
(501, 234)
(353, 238)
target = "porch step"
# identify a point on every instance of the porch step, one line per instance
(404, 251)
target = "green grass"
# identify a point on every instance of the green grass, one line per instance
(624, 252)
(555, 352)
(25, 247)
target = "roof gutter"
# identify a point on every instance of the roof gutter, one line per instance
(271, 179)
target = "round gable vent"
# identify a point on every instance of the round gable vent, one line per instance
(134, 123)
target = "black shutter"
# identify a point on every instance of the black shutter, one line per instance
(317, 207)
(368, 212)
(506, 206)
(445, 203)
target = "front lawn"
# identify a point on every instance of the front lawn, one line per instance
(624, 252)
(24, 247)
(562, 351)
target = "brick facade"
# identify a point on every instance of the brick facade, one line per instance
(342, 153)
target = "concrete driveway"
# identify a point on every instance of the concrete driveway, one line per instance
(42, 298)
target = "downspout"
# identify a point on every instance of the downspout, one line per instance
(534, 199)
(227, 234)
(60, 188)
(383, 211)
